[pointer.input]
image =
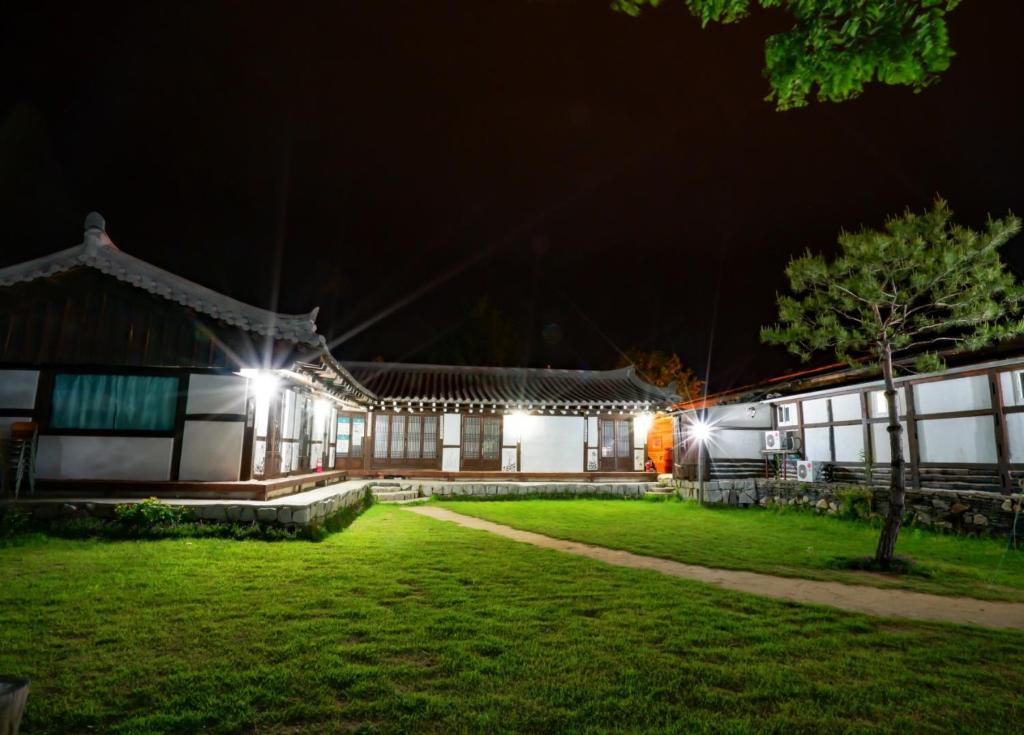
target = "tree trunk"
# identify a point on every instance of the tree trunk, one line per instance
(897, 487)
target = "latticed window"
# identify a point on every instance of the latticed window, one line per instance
(380, 436)
(397, 437)
(491, 447)
(471, 430)
(415, 436)
(430, 437)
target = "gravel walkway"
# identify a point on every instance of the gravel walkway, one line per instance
(861, 599)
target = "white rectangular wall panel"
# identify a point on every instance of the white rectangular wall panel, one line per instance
(878, 408)
(451, 426)
(18, 388)
(817, 445)
(211, 450)
(450, 459)
(969, 440)
(104, 458)
(736, 444)
(960, 394)
(846, 407)
(509, 459)
(592, 438)
(553, 444)
(755, 415)
(849, 441)
(1015, 429)
(816, 411)
(880, 443)
(1011, 383)
(216, 394)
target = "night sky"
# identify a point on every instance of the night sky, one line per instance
(538, 183)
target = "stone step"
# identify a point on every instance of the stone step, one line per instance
(394, 496)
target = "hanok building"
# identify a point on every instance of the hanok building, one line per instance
(134, 375)
(963, 427)
(481, 420)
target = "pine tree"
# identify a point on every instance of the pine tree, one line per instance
(919, 284)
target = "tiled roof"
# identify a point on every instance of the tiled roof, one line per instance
(97, 251)
(526, 388)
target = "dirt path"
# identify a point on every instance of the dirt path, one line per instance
(862, 599)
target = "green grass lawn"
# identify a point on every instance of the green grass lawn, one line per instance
(788, 544)
(406, 624)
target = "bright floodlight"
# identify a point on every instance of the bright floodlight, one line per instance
(700, 430)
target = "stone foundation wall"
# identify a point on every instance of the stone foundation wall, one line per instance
(961, 511)
(503, 489)
(223, 511)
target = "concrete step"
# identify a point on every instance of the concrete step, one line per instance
(392, 495)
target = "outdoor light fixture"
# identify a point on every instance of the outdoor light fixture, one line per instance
(700, 430)
(263, 383)
(642, 424)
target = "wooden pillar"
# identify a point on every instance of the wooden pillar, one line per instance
(915, 453)
(865, 427)
(1002, 435)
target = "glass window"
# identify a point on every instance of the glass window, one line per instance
(397, 437)
(471, 438)
(430, 437)
(415, 433)
(491, 447)
(358, 432)
(114, 402)
(380, 436)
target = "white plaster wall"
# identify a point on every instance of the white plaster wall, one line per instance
(961, 394)
(846, 407)
(211, 450)
(1009, 382)
(877, 407)
(1015, 428)
(738, 414)
(104, 458)
(792, 414)
(817, 445)
(849, 442)
(553, 444)
(736, 444)
(816, 411)
(216, 394)
(450, 459)
(451, 426)
(880, 443)
(592, 438)
(18, 388)
(970, 439)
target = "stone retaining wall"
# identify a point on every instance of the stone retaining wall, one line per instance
(278, 512)
(503, 489)
(961, 511)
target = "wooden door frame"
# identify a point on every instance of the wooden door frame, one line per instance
(481, 464)
(627, 460)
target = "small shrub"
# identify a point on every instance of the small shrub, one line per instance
(151, 512)
(856, 503)
(13, 521)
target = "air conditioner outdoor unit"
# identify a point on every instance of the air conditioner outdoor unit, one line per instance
(808, 471)
(773, 441)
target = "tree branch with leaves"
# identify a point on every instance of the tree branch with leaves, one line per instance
(836, 47)
(920, 283)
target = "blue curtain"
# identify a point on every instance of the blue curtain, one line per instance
(124, 402)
